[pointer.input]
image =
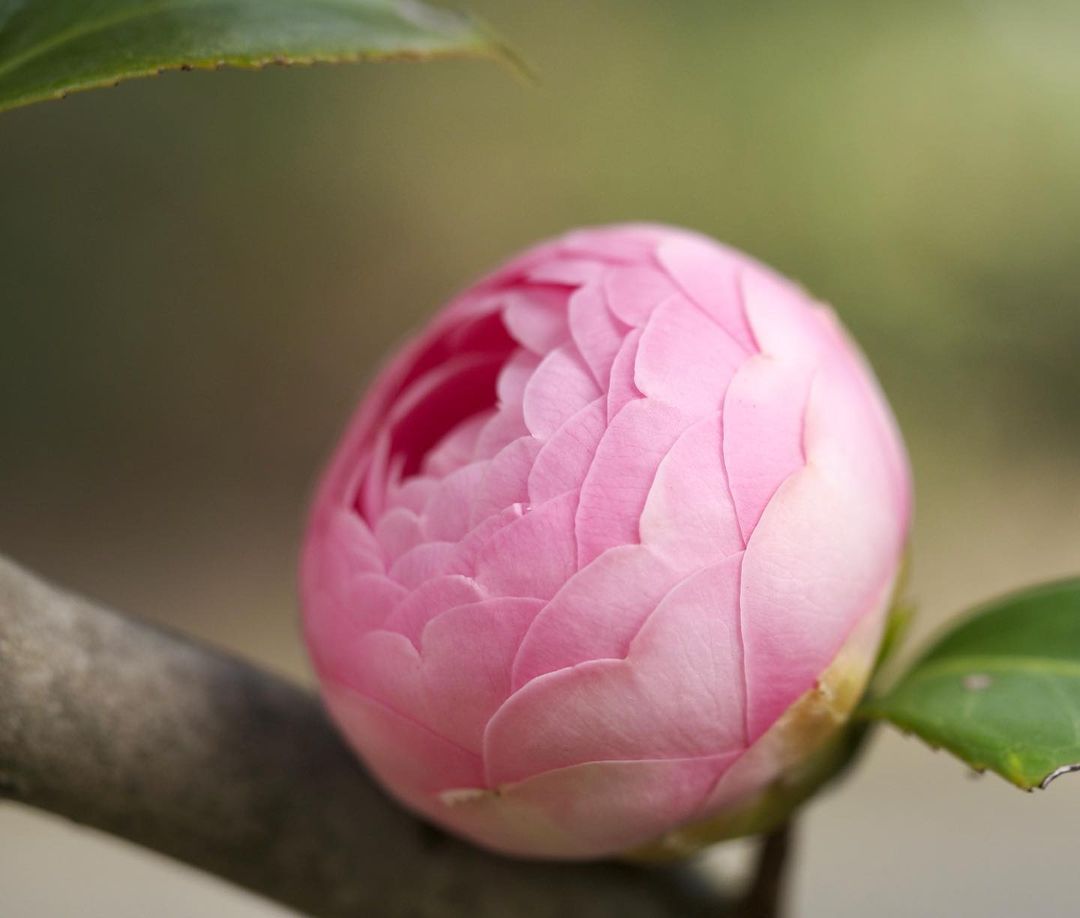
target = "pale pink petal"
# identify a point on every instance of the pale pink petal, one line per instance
(515, 374)
(337, 615)
(709, 273)
(431, 599)
(633, 293)
(505, 479)
(614, 492)
(621, 387)
(594, 810)
(428, 560)
(763, 432)
(565, 458)
(595, 330)
(446, 516)
(413, 493)
(596, 614)
(532, 556)
(536, 317)
(818, 559)
(409, 758)
(685, 359)
(678, 694)
(502, 429)
(570, 272)
(689, 519)
(784, 321)
(462, 696)
(560, 387)
(397, 531)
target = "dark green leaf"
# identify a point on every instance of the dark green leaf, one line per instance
(1001, 690)
(49, 48)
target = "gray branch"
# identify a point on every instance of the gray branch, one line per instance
(154, 738)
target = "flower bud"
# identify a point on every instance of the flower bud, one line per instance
(607, 550)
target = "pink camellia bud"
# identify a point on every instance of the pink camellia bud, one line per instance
(607, 551)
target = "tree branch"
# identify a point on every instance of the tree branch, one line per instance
(149, 736)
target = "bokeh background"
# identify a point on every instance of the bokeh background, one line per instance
(198, 272)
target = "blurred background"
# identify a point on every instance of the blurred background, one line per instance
(198, 272)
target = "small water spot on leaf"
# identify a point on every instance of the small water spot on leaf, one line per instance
(977, 682)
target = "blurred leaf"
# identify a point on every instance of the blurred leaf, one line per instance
(1001, 690)
(49, 48)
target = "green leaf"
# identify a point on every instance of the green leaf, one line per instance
(49, 48)
(1001, 690)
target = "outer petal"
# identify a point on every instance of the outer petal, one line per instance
(678, 694)
(825, 547)
(763, 433)
(585, 811)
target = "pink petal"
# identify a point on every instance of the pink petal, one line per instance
(560, 387)
(614, 492)
(505, 479)
(595, 331)
(596, 614)
(825, 546)
(454, 450)
(431, 599)
(689, 519)
(763, 432)
(784, 321)
(400, 751)
(532, 556)
(467, 654)
(678, 694)
(685, 359)
(536, 317)
(503, 428)
(397, 531)
(633, 293)
(428, 560)
(708, 273)
(515, 375)
(413, 493)
(621, 387)
(570, 272)
(338, 614)
(564, 460)
(585, 811)
(446, 516)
